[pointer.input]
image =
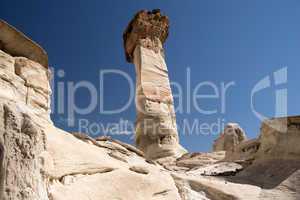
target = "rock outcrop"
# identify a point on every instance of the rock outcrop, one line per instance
(25, 82)
(39, 161)
(43, 162)
(16, 43)
(232, 135)
(244, 151)
(280, 138)
(156, 130)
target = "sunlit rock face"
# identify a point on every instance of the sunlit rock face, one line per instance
(41, 162)
(24, 108)
(26, 82)
(232, 135)
(156, 130)
(280, 138)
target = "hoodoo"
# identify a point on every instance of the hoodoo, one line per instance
(156, 131)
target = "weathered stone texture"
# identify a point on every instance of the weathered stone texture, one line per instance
(156, 130)
(34, 74)
(245, 151)
(280, 138)
(26, 82)
(145, 24)
(232, 135)
(21, 141)
(7, 62)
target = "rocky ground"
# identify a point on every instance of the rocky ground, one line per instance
(41, 161)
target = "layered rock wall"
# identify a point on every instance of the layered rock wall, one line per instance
(22, 141)
(26, 83)
(280, 138)
(24, 105)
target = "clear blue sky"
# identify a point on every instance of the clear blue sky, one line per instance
(220, 41)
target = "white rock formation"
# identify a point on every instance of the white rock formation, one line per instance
(26, 82)
(41, 162)
(232, 135)
(244, 151)
(280, 138)
(156, 130)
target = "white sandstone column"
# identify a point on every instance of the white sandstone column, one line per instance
(156, 130)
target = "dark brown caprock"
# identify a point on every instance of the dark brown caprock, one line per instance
(151, 24)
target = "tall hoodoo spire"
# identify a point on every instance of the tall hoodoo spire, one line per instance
(156, 130)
